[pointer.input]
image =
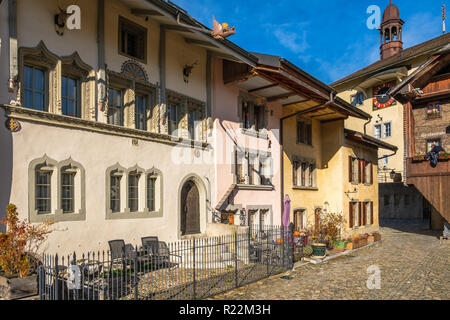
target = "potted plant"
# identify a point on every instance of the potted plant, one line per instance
(419, 158)
(353, 243)
(319, 250)
(340, 245)
(374, 237)
(363, 240)
(18, 252)
(307, 251)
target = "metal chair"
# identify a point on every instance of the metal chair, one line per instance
(159, 252)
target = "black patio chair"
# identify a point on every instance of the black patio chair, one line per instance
(159, 252)
(124, 253)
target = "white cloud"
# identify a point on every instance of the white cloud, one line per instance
(292, 40)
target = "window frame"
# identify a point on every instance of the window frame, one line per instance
(57, 214)
(121, 109)
(133, 179)
(71, 187)
(135, 28)
(146, 99)
(78, 95)
(44, 91)
(49, 191)
(304, 131)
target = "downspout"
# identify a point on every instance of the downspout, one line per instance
(332, 96)
(365, 125)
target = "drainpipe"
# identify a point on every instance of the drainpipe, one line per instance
(365, 125)
(332, 96)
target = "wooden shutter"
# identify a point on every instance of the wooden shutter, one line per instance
(360, 214)
(371, 173)
(371, 213)
(364, 214)
(350, 169)
(364, 176)
(360, 164)
(351, 220)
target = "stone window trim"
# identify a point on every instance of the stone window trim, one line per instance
(143, 212)
(73, 66)
(266, 210)
(56, 214)
(42, 58)
(55, 67)
(150, 92)
(127, 86)
(240, 156)
(308, 162)
(185, 104)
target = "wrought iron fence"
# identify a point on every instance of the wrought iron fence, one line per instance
(186, 270)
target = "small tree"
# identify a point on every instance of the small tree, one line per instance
(20, 243)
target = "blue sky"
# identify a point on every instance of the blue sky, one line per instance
(329, 39)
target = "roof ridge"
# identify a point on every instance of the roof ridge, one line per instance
(395, 58)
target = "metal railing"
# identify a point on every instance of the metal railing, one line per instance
(186, 270)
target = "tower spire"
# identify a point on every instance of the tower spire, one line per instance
(391, 32)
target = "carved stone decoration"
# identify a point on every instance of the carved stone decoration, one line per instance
(13, 125)
(243, 218)
(40, 56)
(134, 70)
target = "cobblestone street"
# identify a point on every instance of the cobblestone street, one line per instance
(413, 265)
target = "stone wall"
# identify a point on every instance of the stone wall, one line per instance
(398, 201)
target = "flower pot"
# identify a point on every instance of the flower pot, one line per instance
(374, 238)
(319, 250)
(363, 243)
(340, 246)
(17, 288)
(353, 245)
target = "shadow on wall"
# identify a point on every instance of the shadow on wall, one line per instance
(6, 165)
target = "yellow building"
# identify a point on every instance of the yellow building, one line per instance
(332, 172)
(325, 167)
(368, 90)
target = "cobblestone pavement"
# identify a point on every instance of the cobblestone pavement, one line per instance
(413, 265)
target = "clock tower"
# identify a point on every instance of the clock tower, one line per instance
(391, 32)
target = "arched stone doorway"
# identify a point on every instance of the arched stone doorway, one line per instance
(190, 209)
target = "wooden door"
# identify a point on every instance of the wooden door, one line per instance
(190, 209)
